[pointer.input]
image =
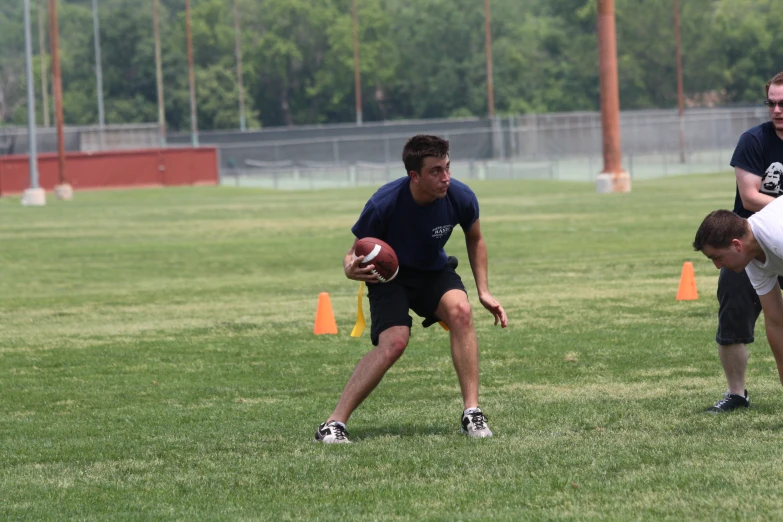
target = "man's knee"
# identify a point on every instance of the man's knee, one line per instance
(459, 315)
(392, 343)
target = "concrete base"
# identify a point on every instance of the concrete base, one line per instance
(613, 182)
(64, 191)
(34, 197)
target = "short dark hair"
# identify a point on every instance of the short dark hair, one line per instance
(718, 229)
(422, 146)
(776, 80)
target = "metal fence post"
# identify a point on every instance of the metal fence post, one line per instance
(387, 157)
(716, 143)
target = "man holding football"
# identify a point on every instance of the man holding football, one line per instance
(416, 215)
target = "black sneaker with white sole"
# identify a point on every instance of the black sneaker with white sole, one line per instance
(730, 402)
(332, 433)
(474, 424)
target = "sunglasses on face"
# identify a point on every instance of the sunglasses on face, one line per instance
(772, 104)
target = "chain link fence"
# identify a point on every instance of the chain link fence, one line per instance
(561, 146)
(14, 140)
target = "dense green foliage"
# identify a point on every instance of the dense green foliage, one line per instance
(419, 59)
(157, 362)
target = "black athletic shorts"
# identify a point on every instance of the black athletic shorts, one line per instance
(738, 308)
(417, 290)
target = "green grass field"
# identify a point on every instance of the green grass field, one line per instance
(157, 361)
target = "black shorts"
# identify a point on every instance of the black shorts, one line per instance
(738, 308)
(417, 290)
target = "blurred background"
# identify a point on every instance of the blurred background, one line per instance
(275, 83)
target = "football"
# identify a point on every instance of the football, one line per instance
(379, 254)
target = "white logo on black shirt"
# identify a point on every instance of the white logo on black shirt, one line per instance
(770, 183)
(439, 232)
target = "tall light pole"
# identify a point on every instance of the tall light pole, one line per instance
(98, 73)
(192, 78)
(35, 195)
(159, 75)
(238, 52)
(680, 96)
(357, 81)
(488, 46)
(612, 178)
(42, 56)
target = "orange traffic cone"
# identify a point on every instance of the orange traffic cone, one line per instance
(687, 290)
(324, 316)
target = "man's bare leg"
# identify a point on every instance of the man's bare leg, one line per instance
(455, 310)
(734, 359)
(370, 370)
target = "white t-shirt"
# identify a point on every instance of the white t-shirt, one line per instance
(767, 227)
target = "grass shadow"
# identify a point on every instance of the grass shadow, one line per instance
(403, 431)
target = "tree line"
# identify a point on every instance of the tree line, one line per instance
(418, 58)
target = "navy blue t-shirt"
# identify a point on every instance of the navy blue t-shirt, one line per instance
(760, 152)
(417, 233)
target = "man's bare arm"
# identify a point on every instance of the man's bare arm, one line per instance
(772, 304)
(749, 186)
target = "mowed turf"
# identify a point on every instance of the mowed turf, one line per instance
(157, 361)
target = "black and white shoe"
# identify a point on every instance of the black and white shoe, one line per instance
(332, 433)
(730, 402)
(474, 424)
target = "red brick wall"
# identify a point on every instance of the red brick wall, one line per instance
(114, 169)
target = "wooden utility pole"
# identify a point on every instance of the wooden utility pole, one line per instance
(357, 81)
(63, 190)
(192, 79)
(238, 52)
(680, 95)
(488, 47)
(99, 75)
(612, 178)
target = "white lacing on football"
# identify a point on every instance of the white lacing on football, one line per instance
(383, 279)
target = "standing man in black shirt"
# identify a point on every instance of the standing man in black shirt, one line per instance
(758, 165)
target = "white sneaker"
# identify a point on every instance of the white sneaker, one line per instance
(474, 424)
(332, 433)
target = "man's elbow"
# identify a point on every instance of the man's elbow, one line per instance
(753, 202)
